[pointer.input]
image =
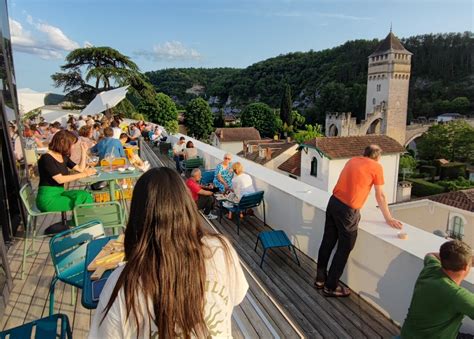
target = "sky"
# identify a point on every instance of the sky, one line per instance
(220, 33)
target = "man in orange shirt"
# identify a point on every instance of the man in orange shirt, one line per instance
(343, 216)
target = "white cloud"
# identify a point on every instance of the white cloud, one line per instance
(46, 41)
(171, 51)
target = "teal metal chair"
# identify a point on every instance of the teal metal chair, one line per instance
(109, 213)
(68, 253)
(188, 165)
(28, 198)
(247, 201)
(272, 239)
(207, 176)
(52, 327)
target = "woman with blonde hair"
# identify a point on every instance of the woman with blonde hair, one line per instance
(180, 280)
(241, 183)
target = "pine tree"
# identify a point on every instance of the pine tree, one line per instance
(285, 108)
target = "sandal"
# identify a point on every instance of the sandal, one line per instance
(339, 292)
(319, 284)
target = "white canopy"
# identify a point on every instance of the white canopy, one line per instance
(105, 100)
(56, 113)
(29, 100)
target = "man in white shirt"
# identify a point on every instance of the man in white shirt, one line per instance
(116, 129)
(178, 152)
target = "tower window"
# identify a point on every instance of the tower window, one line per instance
(314, 167)
(379, 86)
(373, 101)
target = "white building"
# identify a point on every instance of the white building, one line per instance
(231, 139)
(449, 213)
(323, 159)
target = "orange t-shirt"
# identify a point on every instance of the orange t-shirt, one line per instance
(356, 180)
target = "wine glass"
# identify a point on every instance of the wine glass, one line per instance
(111, 159)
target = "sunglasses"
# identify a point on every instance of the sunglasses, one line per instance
(227, 158)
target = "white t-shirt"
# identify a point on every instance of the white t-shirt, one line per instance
(179, 148)
(226, 287)
(117, 132)
(242, 184)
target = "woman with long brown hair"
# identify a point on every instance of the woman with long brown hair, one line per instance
(179, 280)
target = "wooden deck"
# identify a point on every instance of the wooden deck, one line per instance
(291, 287)
(281, 301)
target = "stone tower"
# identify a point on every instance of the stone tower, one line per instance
(388, 81)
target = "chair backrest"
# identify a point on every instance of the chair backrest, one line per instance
(193, 163)
(68, 250)
(31, 156)
(115, 162)
(43, 328)
(108, 213)
(29, 199)
(164, 147)
(251, 200)
(208, 176)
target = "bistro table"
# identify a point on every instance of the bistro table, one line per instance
(93, 248)
(105, 174)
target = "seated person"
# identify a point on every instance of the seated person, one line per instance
(108, 145)
(116, 129)
(439, 303)
(200, 194)
(178, 152)
(123, 138)
(224, 174)
(53, 168)
(85, 137)
(135, 133)
(190, 152)
(241, 183)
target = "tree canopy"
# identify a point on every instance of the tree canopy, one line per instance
(262, 117)
(453, 141)
(198, 118)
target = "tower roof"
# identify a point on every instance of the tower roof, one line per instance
(390, 44)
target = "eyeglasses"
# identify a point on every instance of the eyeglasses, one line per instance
(226, 158)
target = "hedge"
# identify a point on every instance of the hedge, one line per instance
(430, 171)
(422, 188)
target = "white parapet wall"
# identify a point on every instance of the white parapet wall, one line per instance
(382, 269)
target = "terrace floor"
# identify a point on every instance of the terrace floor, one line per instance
(281, 301)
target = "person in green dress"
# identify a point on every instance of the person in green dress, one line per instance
(439, 303)
(53, 168)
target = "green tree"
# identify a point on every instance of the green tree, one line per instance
(453, 141)
(407, 165)
(219, 119)
(262, 117)
(460, 105)
(309, 133)
(286, 105)
(162, 110)
(198, 118)
(298, 119)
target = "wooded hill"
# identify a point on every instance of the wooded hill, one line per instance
(334, 79)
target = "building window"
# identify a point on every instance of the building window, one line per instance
(314, 167)
(456, 228)
(379, 87)
(373, 101)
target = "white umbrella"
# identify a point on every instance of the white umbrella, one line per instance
(29, 100)
(105, 100)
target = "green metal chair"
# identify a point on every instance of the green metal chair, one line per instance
(68, 254)
(109, 213)
(45, 328)
(188, 165)
(29, 201)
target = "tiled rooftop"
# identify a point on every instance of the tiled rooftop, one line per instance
(237, 134)
(460, 199)
(292, 165)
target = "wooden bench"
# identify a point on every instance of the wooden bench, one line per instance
(247, 201)
(272, 239)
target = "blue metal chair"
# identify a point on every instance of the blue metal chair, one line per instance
(68, 253)
(45, 328)
(208, 176)
(272, 239)
(247, 201)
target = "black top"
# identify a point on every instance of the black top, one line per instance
(48, 167)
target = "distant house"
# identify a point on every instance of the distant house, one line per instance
(449, 213)
(323, 159)
(268, 152)
(292, 166)
(231, 139)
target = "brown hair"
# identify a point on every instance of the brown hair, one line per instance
(373, 152)
(189, 144)
(85, 131)
(108, 132)
(165, 256)
(62, 142)
(455, 255)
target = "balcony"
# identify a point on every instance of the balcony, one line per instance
(281, 301)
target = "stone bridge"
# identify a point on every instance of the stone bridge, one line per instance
(414, 131)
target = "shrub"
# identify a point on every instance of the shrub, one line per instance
(460, 183)
(453, 170)
(422, 188)
(430, 171)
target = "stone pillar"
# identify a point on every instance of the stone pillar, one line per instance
(403, 191)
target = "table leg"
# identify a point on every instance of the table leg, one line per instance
(112, 190)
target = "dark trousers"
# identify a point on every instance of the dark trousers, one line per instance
(177, 159)
(205, 202)
(341, 228)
